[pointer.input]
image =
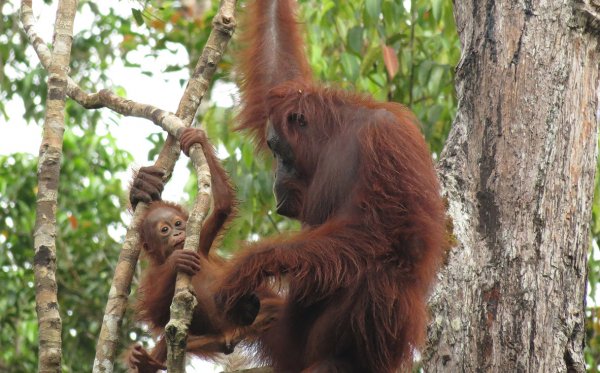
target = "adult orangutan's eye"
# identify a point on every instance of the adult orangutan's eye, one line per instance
(297, 118)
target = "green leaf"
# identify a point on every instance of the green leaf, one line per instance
(423, 72)
(355, 39)
(326, 7)
(137, 15)
(351, 65)
(369, 59)
(436, 7)
(434, 112)
(435, 79)
(172, 68)
(373, 9)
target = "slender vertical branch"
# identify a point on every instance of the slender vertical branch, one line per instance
(50, 324)
(223, 27)
(184, 299)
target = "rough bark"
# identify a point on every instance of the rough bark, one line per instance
(184, 299)
(223, 27)
(44, 232)
(518, 170)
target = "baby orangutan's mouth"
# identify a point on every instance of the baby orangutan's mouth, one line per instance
(179, 244)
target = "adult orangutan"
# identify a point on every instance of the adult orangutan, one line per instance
(163, 234)
(359, 177)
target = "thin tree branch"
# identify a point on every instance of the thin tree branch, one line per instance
(223, 27)
(44, 233)
(104, 98)
(184, 299)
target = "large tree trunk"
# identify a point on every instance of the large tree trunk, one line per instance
(518, 170)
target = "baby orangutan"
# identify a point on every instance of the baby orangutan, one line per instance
(162, 235)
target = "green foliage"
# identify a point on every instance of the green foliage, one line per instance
(88, 216)
(346, 43)
(425, 46)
